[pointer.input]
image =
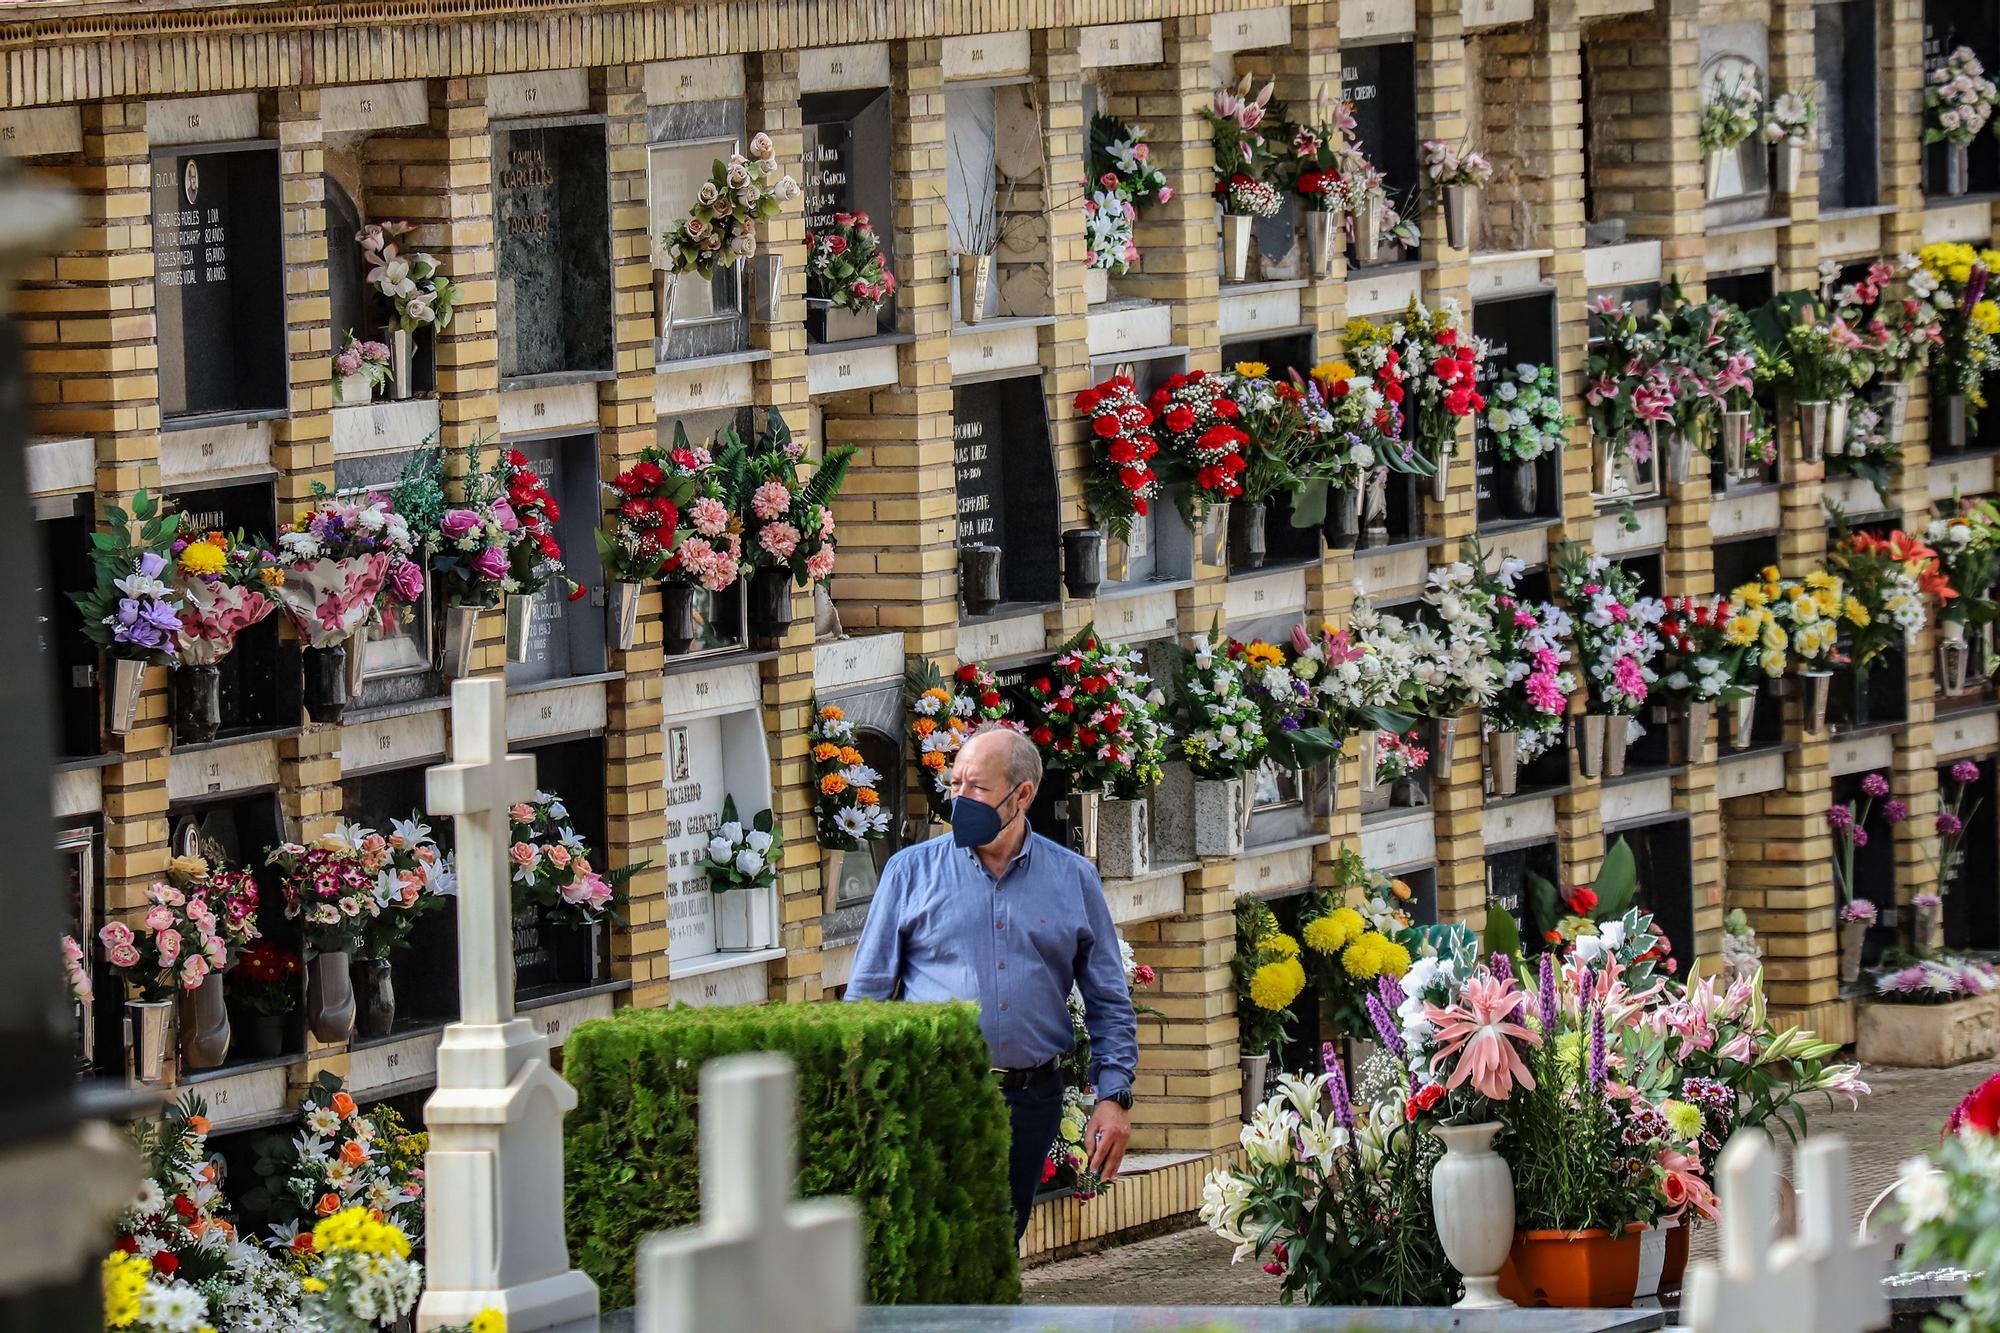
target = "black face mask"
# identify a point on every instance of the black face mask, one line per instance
(974, 823)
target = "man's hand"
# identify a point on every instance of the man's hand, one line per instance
(1109, 1130)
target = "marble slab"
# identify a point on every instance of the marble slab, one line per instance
(1215, 1319)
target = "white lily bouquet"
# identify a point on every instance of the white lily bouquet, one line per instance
(739, 857)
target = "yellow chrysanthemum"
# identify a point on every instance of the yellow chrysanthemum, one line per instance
(1827, 600)
(124, 1283)
(1283, 943)
(1275, 985)
(1331, 933)
(199, 558)
(1855, 611)
(314, 1285)
(1255, 370)
(1395, 959)
(1987, 316)
(489, 1321)
(1685, 1119)
(353, 1229)
(1750, 594)
(1261, 654)
(1363, 959)
(1818, 579)
(1740, 630)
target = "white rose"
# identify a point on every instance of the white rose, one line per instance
(757, 841)
(733, 831)
(719, 849)
(748, 863)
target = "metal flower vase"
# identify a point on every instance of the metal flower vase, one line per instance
(1688, 743)
(1117, 559)
(1367, 234)
(1742, 721)
(204, 1020)
(622, 619)
(1083, 809)
(1503, 762)
(1083, 561)
(1248, 543)
(375, 997)
(1895, 409)
(1236, 232)
(1371, 757)
(1256, 1068)
(1714, 163)
(1617, 737)
(520, 625)
(149, 1039)
(1322, 233)
(1457, 213)
(1790, 164)
(979, 578)
(1819, 687)
(1948, 422)
(1447, 736)
(1590, 731)
(1680, 458)
(1735, 442)
(1441, 478)
(975, 285)
(1812, 422)
(326, 683)
(330, 996)
(1523, 492)
(1836, 426)
(1954, 657)
(122, 699)
(197, 703)
(678, 623)
(402, 364)
(1853, 935)
(1957, 168)
(1214, 527)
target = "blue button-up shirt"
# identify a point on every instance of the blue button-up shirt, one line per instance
(943, 928)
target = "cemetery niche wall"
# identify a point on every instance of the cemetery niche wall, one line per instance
(552, 224)
(683, 139)
(1009, 536)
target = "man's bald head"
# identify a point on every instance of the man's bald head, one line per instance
(1014, 758)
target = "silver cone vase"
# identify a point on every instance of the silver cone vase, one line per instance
(1254, 1069)
(1447, 736)
(1590, 731)
(1083, 823)
(1896, 409)
(1371, 754)
(124, 679)
(402, 364)
(1457, 211)
(1853, 935)
(1322, 231)
(1680, 458)
(1441, 479)
(975, 281)
(520, 625)
(1503, 762)
(1214, 528)
(1742, 719)
(1367, 234)
(1714, 162)
(1791, 162)
(149, 1039)
(1819, 687)
(1695, 743)
(1948, 424)
(1236, 230)
(1836, 427)
(1812, 431)
(1117, 560)
(1957, 167)
(1954, 657)
(1617, 735)
(461, 639)
(623, 620)
(1735, 442)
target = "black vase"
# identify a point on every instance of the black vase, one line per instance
(771, 601)
(1342, 525)
(375, 997)
(326, 683)
(575, 954)
(1083, 561)
(197, 703)
(679, 628)
(979, 578)
(259, 1036)
(1523, 489)
(1246, 534)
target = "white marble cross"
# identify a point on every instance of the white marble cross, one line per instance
(759, 1261)
(476, 789)
(1823, 1279)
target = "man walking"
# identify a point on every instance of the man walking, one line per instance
(999, 914)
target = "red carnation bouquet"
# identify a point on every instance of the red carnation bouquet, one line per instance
(648, 501)
(1120, 484)
(534, 555)
(1098, 719)
(1202, 446)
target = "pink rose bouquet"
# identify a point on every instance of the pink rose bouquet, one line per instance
(787, 522)
(552, 866)
(177, 941)
(338, 555)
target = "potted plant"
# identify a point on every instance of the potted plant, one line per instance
(847, 797)
(1429, 363)
(1525, 414)
(1958, 101)
(1119, 483)
(130, 612)
(1792, 129)
(265, 986)
(1244, 159)
(1097, 721)
(787, 523)
(1731, 111)
(740, 859)
(1321, 152)
(360, 370)
(556, 882)
(1219, 732)
(1930, 1013)
(1455, 173)
(225, 583)
(417, 289)
(1618, 643)
(165, 957)
(412, 877)
(534, 557)
(1202, 451)
(1953, 279)
(945, 710)
(1269, 977)
(720, 228)
(337, 556)
(1125, 182)
(848, 280)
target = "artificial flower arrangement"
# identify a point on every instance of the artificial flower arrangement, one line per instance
(721, 224)
(1323, 154)
(175, 1228)
(1125, 181)
(1216, 725)
(944, 713)
(1445, 165)
(414, 283)
(787, 523)
(338, 554)
(1731, 111)
(1269, 414)
(1525, 412)
(1244, 157)
(552, 869)
(1617, 637)
(1399, 756)
(1349, 948)
(1888, 579)
(847, 800)
(413, 877)
(647, 500)
(1868, 451)
(1202, 444)
(334, 1157)
(130, 611)
(1907, 980)
(1349, 431)
(76, 972)
(1428, 364)
(1120, 484)
(472, 551)
(1631, 385)
(265, 980)
(1068, 1162)
(1354, 685)
(1707, 365)
(1453, 663)
(845, 265)
(741, 856)
(1954, 279)
(225, 582)
(1293, 735)
(369, 360)
(341, 884)
(1098, 718)
(1705, 662)
(181, 938)
(1787, 621)
(1794, 118)
(1530, 648)
(1246, 197)
(534, 557)
(702, 545)
(1900, 332)
(1952, 819)
(1958, 99)
(1269, 976)
(1848, 821)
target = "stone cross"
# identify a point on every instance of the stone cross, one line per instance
(476, 789)
(493, 1174)
(1822, 1279)
(759, 1261)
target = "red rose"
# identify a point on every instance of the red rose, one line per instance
(990, 699)
(184, 1205)
(1043, 685)
(1065, 706)
(1136, 479)
(164, 1262)
(1423, 1100)
(1582, 901)
(1041, 735)
(1087, 736)
(578, 593)
(1123, 451)
(966, 672)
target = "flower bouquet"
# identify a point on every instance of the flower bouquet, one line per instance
(944, 713)
(1202, 447)
(1219, 730)
(553, 876)
(224, 584)
(1322, 155)
(1952, 819)
(848, 279)
(264, 985)
(1355, 684)
(1935, 980)
(1294, 735)
(337, 557)
(1349, 949)
(701, 543)
(1731, 111)
(534, 557)
(1269, 976)
(1953, 279)
(1453, 173)
(1705, 664)
(787, 523)
(1530, 651)
(1123, 181)
(1120, 484)
(337, 1157)
(1792, 128)
(1244, 162)
(1813, 355)
(646, 510)
(1888, 579)
(360, 370)
(179, 941)
(412, 877)
(847, 800)
(1434, 363)
(1966, 537)
(1350, 439)
(1270, 414)
(739, 859)
(175, 1229)
(1068, 1162)
(416, 287)
(1958, 101)
(130, 612)
(1526, 418)
(1452, 665)
(1617, 644)
(721, 225)
(1097, 719)
(1631, 390)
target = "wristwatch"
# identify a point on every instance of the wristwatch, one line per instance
(1124, 1099)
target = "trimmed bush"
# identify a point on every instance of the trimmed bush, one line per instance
(896, 1110)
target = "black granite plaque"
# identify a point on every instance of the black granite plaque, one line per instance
(218, 281)
(259, 682)
(69, 658)
(1007, 483)
(846, 166)
(1507, 884)
(1381, 82)
(552, 224)
(567, 637)
(1666, 881)
(1845, 54)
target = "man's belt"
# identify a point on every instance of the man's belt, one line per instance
(1013, 1080)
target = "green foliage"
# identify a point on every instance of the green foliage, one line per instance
(1616, 885)
(114, 555)
(895, 1109)
(1501, 934)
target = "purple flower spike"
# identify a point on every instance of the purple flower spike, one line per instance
(1336, 1086)
(1874, 785)
(1596, 1048)
(1500, 966)
(1964, 771)
(1586, 988)
(1386, 1030)
(1546, 994)
(1329, 1059)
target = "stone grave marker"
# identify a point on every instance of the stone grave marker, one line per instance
(552, 224)
(1007, 484)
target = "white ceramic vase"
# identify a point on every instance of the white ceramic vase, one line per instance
(1472, 1198)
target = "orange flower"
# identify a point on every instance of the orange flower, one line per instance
(198, 1123)
(329, 1204)
(850, 755)
(866, 795)
(925, 726)
(832, 785)
(303, 1242)
(933, 760)
(832, 713)
(343, 1105)
(352, 1153)
(826, 752)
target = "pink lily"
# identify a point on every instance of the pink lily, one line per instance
(1479, 1028)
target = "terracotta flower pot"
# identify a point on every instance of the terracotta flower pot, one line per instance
(1572, 1270)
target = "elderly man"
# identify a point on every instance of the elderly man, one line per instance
(999, 914)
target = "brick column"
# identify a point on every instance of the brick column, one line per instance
(1065, 354)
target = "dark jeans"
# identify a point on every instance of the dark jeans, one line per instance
(1036, 1115)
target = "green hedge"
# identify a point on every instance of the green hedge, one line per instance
(895, 1109)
